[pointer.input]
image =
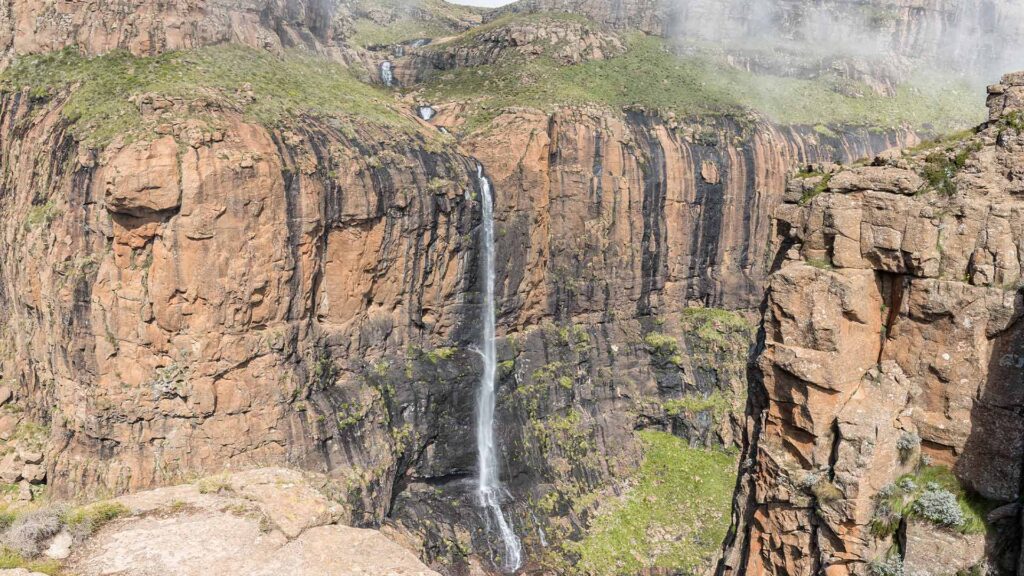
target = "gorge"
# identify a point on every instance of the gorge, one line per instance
(566, 287)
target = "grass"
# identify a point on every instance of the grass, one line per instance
(413, 21)
(284, 87)
(898, 501)
(941, 167)
(649, 75)
(672, 520)
(717, 403)
(9, 559)
(716, 326)
(816, 191)
(94, 516)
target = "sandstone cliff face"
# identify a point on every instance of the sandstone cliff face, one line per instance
(891, 336)
(146, 28)
(307, 294)
(308, 297)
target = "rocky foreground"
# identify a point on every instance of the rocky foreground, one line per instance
(259, 522)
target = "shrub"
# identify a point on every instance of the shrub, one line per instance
(891, 566)
(939, 506)
(27, 533)
(907, 443)
(215, 485)
(661, 344)
(83, 522)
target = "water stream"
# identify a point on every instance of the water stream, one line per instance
(387, 76)
(489, 486)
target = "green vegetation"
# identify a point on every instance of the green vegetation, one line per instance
(88, 519)
(940, 168)
(673, 518)
(438, 354)
(661, 344)
(41, 215)
(932, 493)
(815, 191)
(10, 559)
(717, 403)
(716, 326)
(283, 87)
(651, 76)
(423, 19)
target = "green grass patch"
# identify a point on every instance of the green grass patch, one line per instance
(9, 559)
(817, 190)
(94, 516)
(284, 86)
(899, 500)
(716, 326)
(672, 520)
(941, 167)
(412, 21)
(717, 403)
(651, 76)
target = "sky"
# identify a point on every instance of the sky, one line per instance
(487, 3)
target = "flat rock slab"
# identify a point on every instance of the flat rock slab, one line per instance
(259, 523)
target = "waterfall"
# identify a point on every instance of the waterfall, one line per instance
(426, 112)
(489, 487)
(386, 75)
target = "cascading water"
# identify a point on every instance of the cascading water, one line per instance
(489, 487)
(426, 112)
(387, 76)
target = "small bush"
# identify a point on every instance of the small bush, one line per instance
(907, 443)
(215, 485)
(825, 491)
(939, 506)
(27, 533)
(661, 344)
(10, 559)
(84, 521)
(891, 566)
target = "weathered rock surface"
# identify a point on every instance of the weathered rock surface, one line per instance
(891, 320)
(566, 41)
(217, 526)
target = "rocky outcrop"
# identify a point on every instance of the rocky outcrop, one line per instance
(892, 324)
(147, 28)
(568, 42)
(261, 521)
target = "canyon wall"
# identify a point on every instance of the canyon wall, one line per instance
(308, 297)
(890, 356)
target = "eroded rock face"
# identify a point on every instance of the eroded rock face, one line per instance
(262, 521)
(146, 28)
(309, 297)
(568, 42)
(893, 319)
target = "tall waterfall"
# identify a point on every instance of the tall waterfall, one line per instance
(489, 487)
(387, 76)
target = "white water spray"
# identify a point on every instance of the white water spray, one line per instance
(489, 487)
(426, 112)
(387, 76)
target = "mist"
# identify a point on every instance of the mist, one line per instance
(978, 39)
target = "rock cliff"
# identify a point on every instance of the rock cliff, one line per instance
(885, 428)
(220, 258)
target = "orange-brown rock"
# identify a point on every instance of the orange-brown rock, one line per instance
(892, 321)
